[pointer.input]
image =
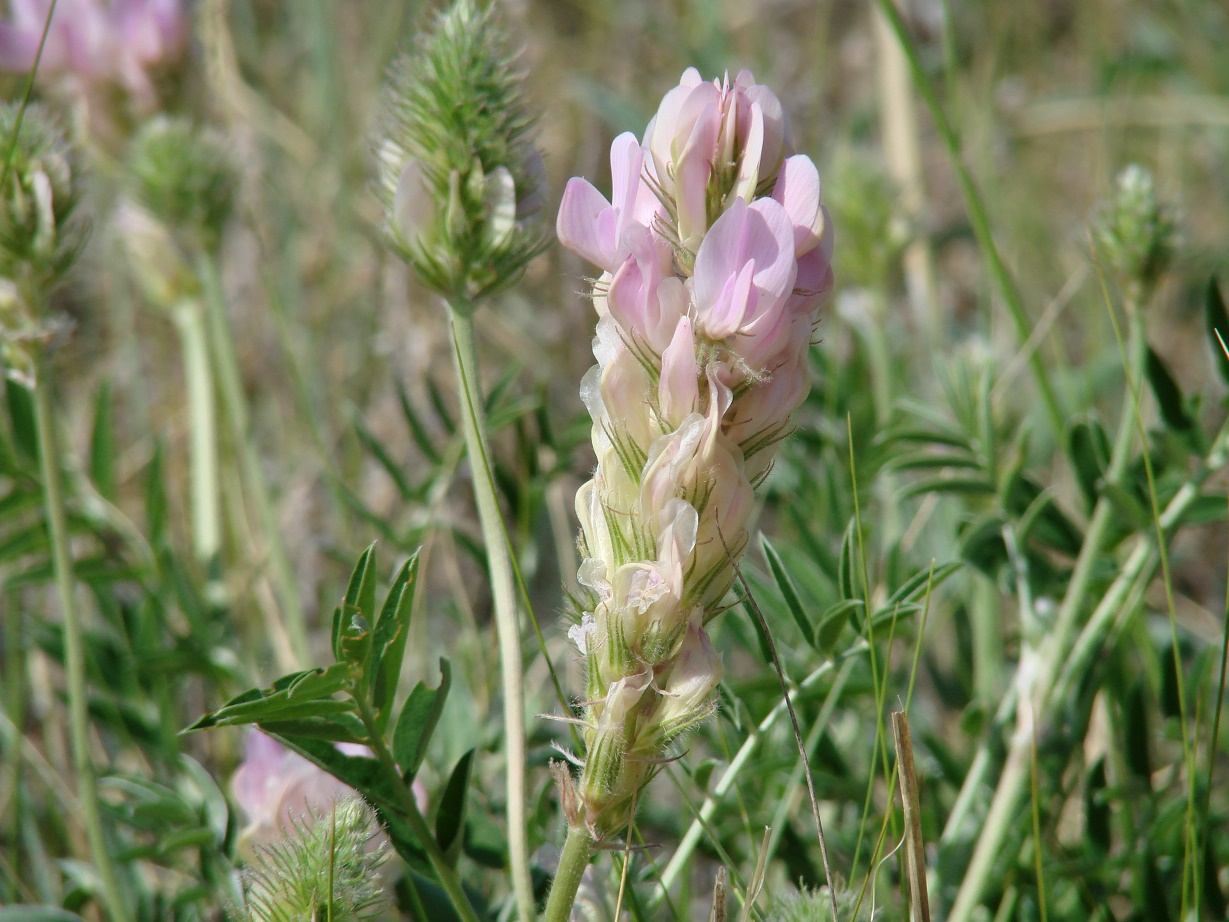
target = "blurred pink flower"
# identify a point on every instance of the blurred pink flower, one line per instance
(275, 786)
(96, 41)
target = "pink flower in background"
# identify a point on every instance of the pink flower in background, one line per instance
(94, 42)
(275, 786)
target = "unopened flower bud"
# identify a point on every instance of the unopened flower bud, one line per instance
(687, 697)
(183, 177)
(461, 202)
(324, 867)
(712, 143)
(1135, 232)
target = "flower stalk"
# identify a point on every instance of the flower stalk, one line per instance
(503, 594)
(202, 414)
(462, 187)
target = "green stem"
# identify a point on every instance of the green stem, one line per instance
(226, 367)
(503, 594)
(577, 850)
(444, 871)
(206, 524)
(74, 647)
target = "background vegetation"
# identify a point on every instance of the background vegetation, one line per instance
(948, 519)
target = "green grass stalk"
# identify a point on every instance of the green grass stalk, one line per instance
(202, 415)
(74, 647)
(234, 402)
(503, 593)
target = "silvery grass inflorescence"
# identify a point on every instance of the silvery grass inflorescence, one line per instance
(459, 176)
(714, 254)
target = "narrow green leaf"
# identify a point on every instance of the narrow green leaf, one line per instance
(953, 438)
(299, 696)
(338, 728)
(361, 590)
(389, 638)
(450, 818)
(1096, 808)
(929, 460)
(1206, 509)
(967, 486)
(845, 567)
(832, 622)
(1168, 394)
(1089, 449)
(102, 445)
(376, 449)
(37, 914)
(917, 584)
(21, 418)
(352, 621)
(982, 546)
(417, 430)
(1130, 509)
(1137, 745)
(760, 636)
(418, 720)
(1217, 320)
(788, 592)
(156, 507)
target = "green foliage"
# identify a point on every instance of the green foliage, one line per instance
(925, 526)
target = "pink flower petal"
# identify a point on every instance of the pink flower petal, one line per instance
(797, 189)
(586, 223)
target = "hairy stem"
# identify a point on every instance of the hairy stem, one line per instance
(503, 594)
(577, 850)
(74, 647)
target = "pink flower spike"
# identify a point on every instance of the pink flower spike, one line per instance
(797, 189)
